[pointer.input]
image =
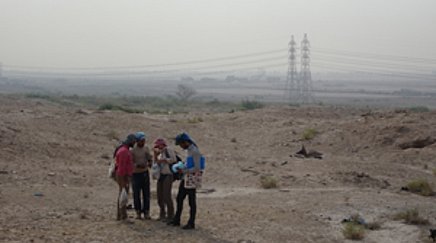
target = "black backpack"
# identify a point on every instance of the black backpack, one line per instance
(176, 175)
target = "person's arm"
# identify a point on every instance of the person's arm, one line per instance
(156, 153)
(148, 158)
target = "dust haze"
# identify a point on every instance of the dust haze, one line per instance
(316, 117)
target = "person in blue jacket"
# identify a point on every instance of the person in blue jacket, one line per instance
(194, 165)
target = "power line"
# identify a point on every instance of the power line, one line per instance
(376, 63)
(345, 68)
(369, 62)
(390, 68)
(375, 55)
(155, 65)
(130, 72)
(151, 73)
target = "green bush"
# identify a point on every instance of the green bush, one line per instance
(309, 134)
(353, 231)
(251, 104)
(106, 106)
(111, 107)
(42, 96)
(268, 182)
(411, 216)
(419, 109)
(421, 187)
(129, 110)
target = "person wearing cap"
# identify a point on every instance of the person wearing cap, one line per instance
(141, 179)
(164, 156)
(194, 168)
(123, 170)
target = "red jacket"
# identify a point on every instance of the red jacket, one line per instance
(124, 162)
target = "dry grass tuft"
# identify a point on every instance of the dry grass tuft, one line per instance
(195, 120)
(353, 231)
(421, 187)
(269, 182)
(411, 216)
(309, 134)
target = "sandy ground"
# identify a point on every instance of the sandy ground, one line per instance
(64, 152)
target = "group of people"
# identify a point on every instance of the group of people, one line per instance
(134, 160)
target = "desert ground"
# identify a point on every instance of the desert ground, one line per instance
(54, 161)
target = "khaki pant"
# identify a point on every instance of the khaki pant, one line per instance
(123, 182)
(164, 199)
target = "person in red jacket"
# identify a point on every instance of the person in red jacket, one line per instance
(123, 170)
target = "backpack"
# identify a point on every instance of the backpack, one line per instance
(176, 175)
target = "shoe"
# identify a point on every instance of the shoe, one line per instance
(147, 216)
(188, 227)
(173, 223)
(168, 219)
(138, 215)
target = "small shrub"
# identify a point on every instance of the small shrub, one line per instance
(195, 120)
(268, 182)
(185, 92)
(419, 109)
(38, 96)
(43, 96)
(309, 134)
(353, 231)
(128, 110)
(411, 216)
(106, 106)
(233, 140)
(421, 187)
(111, 107)
(251, 104)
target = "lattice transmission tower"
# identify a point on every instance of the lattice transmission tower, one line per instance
(292, 83)
(305, 77)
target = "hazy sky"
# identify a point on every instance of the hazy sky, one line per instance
(92, 33)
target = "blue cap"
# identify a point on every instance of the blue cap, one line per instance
(183, 137)
(140, 136)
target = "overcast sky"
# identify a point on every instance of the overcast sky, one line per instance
(93, 33)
